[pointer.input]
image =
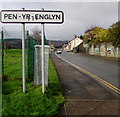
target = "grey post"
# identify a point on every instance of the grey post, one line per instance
(37, 67)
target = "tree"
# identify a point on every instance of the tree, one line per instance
(100, 35)
(88, 35)
(36, 33)
(114, 34)
(95, 35)
(103, 35)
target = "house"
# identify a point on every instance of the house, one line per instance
(74, 43)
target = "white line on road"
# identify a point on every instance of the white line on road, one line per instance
(65, 110)
(115, 67)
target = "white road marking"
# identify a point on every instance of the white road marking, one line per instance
(66, 113)
(115, 67)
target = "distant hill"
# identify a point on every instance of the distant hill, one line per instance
(12, 43)
(16, 43)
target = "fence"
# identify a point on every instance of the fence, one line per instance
(1, 55)
(1, 68)
(31, 42)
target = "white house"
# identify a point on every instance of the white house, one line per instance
(73, 43)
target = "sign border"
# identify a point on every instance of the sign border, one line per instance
(33, 11)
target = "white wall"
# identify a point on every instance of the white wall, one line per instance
(74, 43)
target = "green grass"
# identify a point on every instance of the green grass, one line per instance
(13, 64)
(33, 102)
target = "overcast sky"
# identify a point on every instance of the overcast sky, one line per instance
(78, 17)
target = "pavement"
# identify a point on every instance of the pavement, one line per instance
(83, 95)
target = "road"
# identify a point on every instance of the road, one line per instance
(106, 69)
(83, 95)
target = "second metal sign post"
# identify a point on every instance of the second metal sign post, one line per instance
(43, 59)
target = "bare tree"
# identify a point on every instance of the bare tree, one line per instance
(36, 33)
(5, 32)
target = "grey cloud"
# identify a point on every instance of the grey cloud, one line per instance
(78, 16)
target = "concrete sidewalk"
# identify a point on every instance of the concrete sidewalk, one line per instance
(83, 95)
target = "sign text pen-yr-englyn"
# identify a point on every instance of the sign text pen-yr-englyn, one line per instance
(32, 17)
(27, 17)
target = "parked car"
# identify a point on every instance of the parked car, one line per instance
(59, 52)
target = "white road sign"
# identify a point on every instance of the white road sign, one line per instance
(27, 16)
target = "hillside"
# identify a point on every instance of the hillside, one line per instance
(12, 43)
(16, 43)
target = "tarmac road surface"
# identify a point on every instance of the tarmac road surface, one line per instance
(84, 96)
(104, 68)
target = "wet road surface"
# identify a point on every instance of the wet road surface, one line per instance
(83, 95)
(106, 69)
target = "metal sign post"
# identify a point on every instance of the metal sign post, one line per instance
(43, 61)
(23, 56)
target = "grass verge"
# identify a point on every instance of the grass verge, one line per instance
(15, 103)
